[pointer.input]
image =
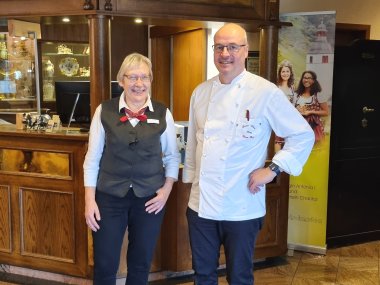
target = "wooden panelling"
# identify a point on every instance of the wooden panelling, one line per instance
(40, 163)
(65, 32)
(126, 38)
(189, 69)
(39, 7)
(210, 9)
(5, 219)
(272, 240)
(161, 70)
(175, 234)
(235, 3)
(48, 229)
(41, 213)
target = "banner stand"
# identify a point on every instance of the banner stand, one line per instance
(306, 248)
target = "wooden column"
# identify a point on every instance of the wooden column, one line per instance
(268, 52)
(268, 61)
(100, 59)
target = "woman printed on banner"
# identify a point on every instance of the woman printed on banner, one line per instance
(310, 104)
(285, 81)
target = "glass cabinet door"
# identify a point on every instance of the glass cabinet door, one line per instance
(17, 75)
(61, 61)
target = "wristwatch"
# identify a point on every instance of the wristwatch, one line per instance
(275, 168)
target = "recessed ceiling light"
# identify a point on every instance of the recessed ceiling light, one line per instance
(138, 20)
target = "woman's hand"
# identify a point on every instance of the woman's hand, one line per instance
(91, 212)
(158, 202)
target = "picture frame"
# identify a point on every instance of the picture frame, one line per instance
(252, 63)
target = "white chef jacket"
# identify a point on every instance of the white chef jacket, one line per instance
(229, 129)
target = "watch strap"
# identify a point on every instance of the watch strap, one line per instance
(275, 168)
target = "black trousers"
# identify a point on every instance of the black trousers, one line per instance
(117, 215)
(238, 239)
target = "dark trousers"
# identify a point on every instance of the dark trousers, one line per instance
(238, 239)
(118, 214)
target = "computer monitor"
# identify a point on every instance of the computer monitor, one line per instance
(116, 89)
(66, 94)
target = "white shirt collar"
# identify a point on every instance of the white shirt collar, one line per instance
(123, 104)
(236, 80)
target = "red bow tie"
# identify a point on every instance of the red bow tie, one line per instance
(129, 115)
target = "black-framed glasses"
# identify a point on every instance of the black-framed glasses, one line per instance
(231, 48)
(134, 78)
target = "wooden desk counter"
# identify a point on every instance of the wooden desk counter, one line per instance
(42, 200)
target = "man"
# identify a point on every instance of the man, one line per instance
(231, 119)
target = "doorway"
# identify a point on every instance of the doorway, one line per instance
(353, 211)
(179, 65)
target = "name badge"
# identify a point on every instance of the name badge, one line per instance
(153, 121)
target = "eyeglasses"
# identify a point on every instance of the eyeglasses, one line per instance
(231, 48)
(134, 78)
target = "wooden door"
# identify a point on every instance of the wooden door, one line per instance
(178, 69)
(189, 69)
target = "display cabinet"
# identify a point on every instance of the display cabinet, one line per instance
(61, 61)
(17, 76)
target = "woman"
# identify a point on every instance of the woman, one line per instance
(131, 139)
(285, 81)
(309, 104)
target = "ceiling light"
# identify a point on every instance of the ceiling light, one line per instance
(138, 20)
(66, 19)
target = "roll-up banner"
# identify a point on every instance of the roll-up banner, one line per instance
(306, 51)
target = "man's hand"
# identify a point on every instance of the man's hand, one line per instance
(259, 177)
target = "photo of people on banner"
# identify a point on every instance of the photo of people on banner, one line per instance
(306, 98)
(305, 75)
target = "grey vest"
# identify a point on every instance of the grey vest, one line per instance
(132, 155)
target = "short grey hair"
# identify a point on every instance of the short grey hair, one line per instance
(131, 61)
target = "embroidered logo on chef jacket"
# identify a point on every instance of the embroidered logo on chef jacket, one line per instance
(248, 127)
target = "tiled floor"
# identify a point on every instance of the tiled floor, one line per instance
(350, 265)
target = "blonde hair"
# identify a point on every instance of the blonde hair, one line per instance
(131, 61)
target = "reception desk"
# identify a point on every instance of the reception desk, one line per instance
(42, 200)
(42, 223)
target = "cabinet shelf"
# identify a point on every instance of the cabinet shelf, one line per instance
(65, 54)
(57, 65)
(18, 99)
